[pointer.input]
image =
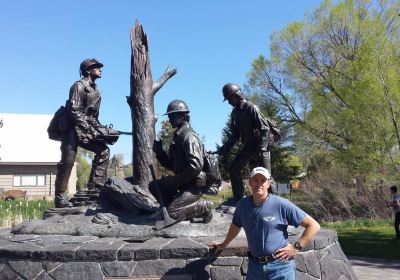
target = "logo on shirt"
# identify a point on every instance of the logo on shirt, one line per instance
(269, 218)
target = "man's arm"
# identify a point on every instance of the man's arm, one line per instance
(393, 203)
(232, 233)
(77, 112)
(261, 125)
(311, 228)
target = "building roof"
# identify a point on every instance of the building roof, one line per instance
(23, 139)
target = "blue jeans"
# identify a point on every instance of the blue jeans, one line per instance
(397, 224)
(275, 270)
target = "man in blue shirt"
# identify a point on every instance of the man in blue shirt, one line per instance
(265, 218)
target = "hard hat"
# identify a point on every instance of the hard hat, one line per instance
(176, 106)
(230, 89)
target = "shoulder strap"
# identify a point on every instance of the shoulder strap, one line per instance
(83, 84)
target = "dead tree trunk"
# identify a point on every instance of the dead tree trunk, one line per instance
(141, 102)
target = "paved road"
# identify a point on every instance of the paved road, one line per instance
(375, 269)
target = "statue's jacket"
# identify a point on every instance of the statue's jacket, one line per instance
(185, 158)
(248, 124)
(83, 109)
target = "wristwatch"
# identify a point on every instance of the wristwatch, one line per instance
(298, 246)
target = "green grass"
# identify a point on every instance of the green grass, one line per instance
(13, 212)
(367, 237)
(218, 199)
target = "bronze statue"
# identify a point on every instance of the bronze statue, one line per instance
(182, 191)
(83, 129)
(250, 125)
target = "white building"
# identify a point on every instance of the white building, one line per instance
(28, 158)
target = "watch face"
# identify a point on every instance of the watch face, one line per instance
(298, 246)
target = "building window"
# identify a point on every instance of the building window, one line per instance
(29, 180)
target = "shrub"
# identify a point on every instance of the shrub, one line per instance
(333, 195)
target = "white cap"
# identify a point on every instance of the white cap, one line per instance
(260, 170)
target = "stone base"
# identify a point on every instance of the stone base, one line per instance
(56, 257)
(81, 221)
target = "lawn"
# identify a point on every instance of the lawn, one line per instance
(368, 238)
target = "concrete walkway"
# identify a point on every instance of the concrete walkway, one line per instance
(375, 269)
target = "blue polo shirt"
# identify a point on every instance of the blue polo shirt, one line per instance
(266, 225)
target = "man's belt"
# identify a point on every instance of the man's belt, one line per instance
(262, 259)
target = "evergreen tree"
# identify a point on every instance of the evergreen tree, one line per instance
(115, 165)
(225, 159)
(165, 135)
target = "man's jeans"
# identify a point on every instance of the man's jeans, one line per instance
(397, 224)
(275, 270)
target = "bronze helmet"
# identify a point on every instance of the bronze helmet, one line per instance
(177, 106)
(231, 89)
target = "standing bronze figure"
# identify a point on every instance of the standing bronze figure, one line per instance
(250, 125)
(83, 129)
(182, 191)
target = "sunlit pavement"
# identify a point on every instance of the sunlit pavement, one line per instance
(371, 269)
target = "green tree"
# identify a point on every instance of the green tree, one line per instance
(115, 165)
(334, 77)
(225, 159)
(165, 135)
(83, 167)
(128, 170)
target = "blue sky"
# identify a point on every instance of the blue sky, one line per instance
(210, 43)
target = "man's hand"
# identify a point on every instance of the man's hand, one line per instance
(285, 253)
(218, 246)
(232, 233)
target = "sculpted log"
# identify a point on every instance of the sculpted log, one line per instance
(141, 102)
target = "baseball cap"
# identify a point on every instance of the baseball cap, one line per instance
(260, 170)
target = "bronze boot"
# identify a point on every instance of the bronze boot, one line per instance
(61, 201)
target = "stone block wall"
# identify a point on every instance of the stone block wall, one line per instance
(63, 257)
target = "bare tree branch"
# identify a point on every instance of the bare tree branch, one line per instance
(169, 72)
